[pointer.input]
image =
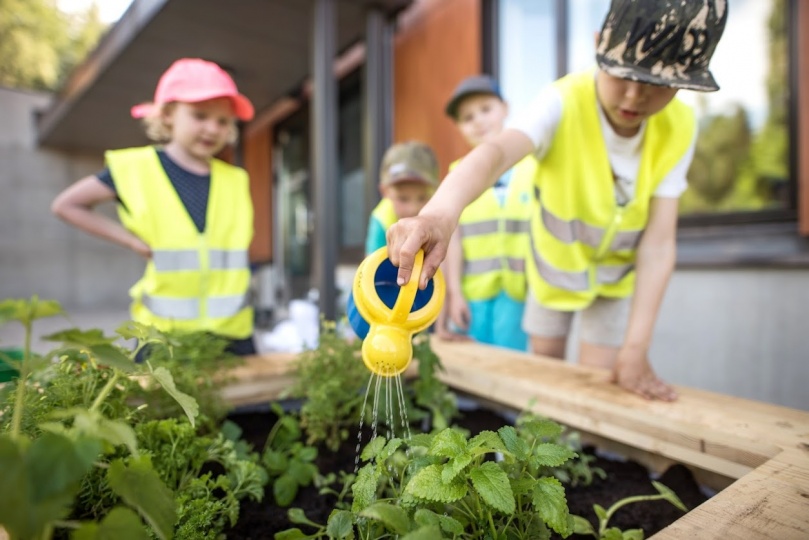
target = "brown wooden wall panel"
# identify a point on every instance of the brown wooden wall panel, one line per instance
(437, 45)
(803, 110)
(257, 155)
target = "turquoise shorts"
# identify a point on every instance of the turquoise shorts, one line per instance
(498, 322)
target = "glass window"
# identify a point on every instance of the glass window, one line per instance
(584, 20)
(527, 49)
(741, 163)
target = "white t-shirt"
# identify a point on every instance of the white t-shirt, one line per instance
(539, 123)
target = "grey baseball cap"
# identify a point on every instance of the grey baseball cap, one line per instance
(662, 42)
(477, 84)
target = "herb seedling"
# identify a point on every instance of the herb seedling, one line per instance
(605, 532)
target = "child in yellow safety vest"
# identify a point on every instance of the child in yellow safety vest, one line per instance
(613, 146)
(485, 264)
(408, 178)
(189, 215)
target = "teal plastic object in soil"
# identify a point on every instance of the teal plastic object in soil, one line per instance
(8, 372)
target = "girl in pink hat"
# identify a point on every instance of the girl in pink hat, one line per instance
(188, 214)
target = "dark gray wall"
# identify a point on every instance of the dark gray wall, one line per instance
(38, 253)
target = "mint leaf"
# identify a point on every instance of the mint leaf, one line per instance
(427, 485)
(393, 517)
(550, 502)
(491, 483)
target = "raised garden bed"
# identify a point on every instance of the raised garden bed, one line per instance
(622, 478)
(757, 454)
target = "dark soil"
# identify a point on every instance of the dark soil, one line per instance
(260, 521)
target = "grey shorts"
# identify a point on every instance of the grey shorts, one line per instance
(603, 322)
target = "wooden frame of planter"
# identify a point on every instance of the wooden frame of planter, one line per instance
(757, 453)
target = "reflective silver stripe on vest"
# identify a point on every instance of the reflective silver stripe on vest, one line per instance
(613, 274)
(172, 308)
(570, 281)
(573, 230)
(481, 266)
(188, 309)
(516, 265)
(577, 230)
(226, 306)
(228, 259)
(175, 260)
(518, 226)
(625, 240)
(479, 228)
(578, 281)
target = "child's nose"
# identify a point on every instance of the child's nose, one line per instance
(635, 90)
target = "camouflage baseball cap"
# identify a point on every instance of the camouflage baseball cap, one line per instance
(662, 42)
(410, 161)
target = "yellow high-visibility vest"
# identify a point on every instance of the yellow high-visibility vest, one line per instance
(583, 244)
(495, 238)
(384, 213)
(194, 281)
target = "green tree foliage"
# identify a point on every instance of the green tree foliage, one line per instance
(39, 44)
(736, 168)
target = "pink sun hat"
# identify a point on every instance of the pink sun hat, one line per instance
(192, 80)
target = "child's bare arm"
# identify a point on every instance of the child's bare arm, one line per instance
(655, 262)
(75, 206)
(453, 273)
(432, 229)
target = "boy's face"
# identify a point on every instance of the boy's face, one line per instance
(628, 103)
(408, 197)
(201, 129)
(481, 117)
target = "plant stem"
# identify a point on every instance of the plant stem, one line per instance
(623, 502)
(105, 391)
(22, 380)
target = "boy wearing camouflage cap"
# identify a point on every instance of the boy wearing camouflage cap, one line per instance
(408, 178)
(614, 146)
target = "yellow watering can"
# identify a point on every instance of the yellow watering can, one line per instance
(386, 316)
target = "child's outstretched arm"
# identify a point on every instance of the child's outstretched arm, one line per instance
(432, 229)
(75, 206)
(656, 257)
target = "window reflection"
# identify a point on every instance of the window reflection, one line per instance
(742, 157)
(527, 49)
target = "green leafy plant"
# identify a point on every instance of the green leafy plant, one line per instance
(446, 485)
(538, 430)
(207, 501)
(289, 463)
(197, 361)
(428, 391)
(44, 458)
(605, 532)
(332, 380)
(85, 445)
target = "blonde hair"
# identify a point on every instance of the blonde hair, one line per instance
(159, 131)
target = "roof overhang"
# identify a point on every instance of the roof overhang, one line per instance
(265, 44)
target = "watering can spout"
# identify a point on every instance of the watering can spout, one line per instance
(386, 316)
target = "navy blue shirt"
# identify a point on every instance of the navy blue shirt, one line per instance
(193, 189)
